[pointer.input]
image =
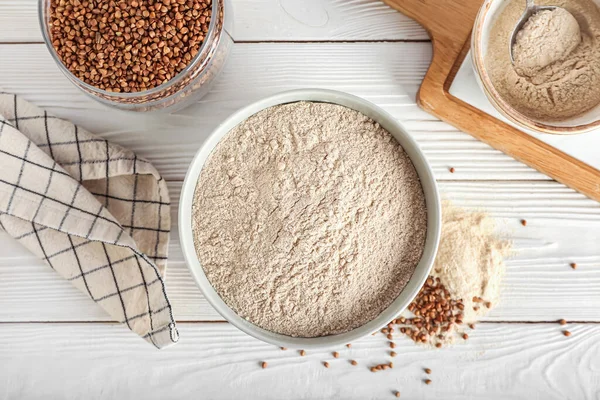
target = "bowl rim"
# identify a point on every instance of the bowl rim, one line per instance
(494, 96)
(428, 182)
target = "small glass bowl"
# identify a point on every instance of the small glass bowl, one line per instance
(185, 88)
(484, 22)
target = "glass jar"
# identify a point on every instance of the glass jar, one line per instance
(189, 85)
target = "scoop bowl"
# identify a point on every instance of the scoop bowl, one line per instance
(529, 11)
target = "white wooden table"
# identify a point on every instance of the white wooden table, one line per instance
(55, 343)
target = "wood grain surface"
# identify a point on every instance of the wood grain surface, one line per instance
(257, 70)
(55, 343)
(216, 361)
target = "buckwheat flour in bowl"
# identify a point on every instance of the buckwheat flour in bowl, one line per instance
(309, 219)
(556, 74)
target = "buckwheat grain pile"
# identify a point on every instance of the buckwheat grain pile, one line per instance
(128, 45)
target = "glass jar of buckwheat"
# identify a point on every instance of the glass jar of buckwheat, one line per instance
(139, 55)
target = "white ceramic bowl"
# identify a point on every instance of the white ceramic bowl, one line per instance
(479, 44)
(429, 187)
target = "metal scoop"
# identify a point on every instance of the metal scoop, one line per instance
(529, 11)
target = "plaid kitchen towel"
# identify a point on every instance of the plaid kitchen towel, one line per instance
(92, 210)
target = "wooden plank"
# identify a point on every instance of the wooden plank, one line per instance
(216, 361)
(264, 20)
(19, 21)
(322, 20)
(562, 227)
(388, 74)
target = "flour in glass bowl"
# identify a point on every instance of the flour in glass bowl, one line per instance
(309, 219)
(563, 89)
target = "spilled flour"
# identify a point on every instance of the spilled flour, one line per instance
(464, 283)
(309, 219)
(470, 259)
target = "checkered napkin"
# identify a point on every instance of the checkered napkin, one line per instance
(94, 211)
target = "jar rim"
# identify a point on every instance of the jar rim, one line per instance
(204, 48)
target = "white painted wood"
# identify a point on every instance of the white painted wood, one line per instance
(388, 74)
(264, 20)
(562, 227)
(322, 20)
(216, 361)
(19, 21)
(96, 360)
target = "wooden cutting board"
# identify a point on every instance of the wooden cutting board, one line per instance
(449, 24)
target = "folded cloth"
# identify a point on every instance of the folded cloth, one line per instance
(92, 210)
